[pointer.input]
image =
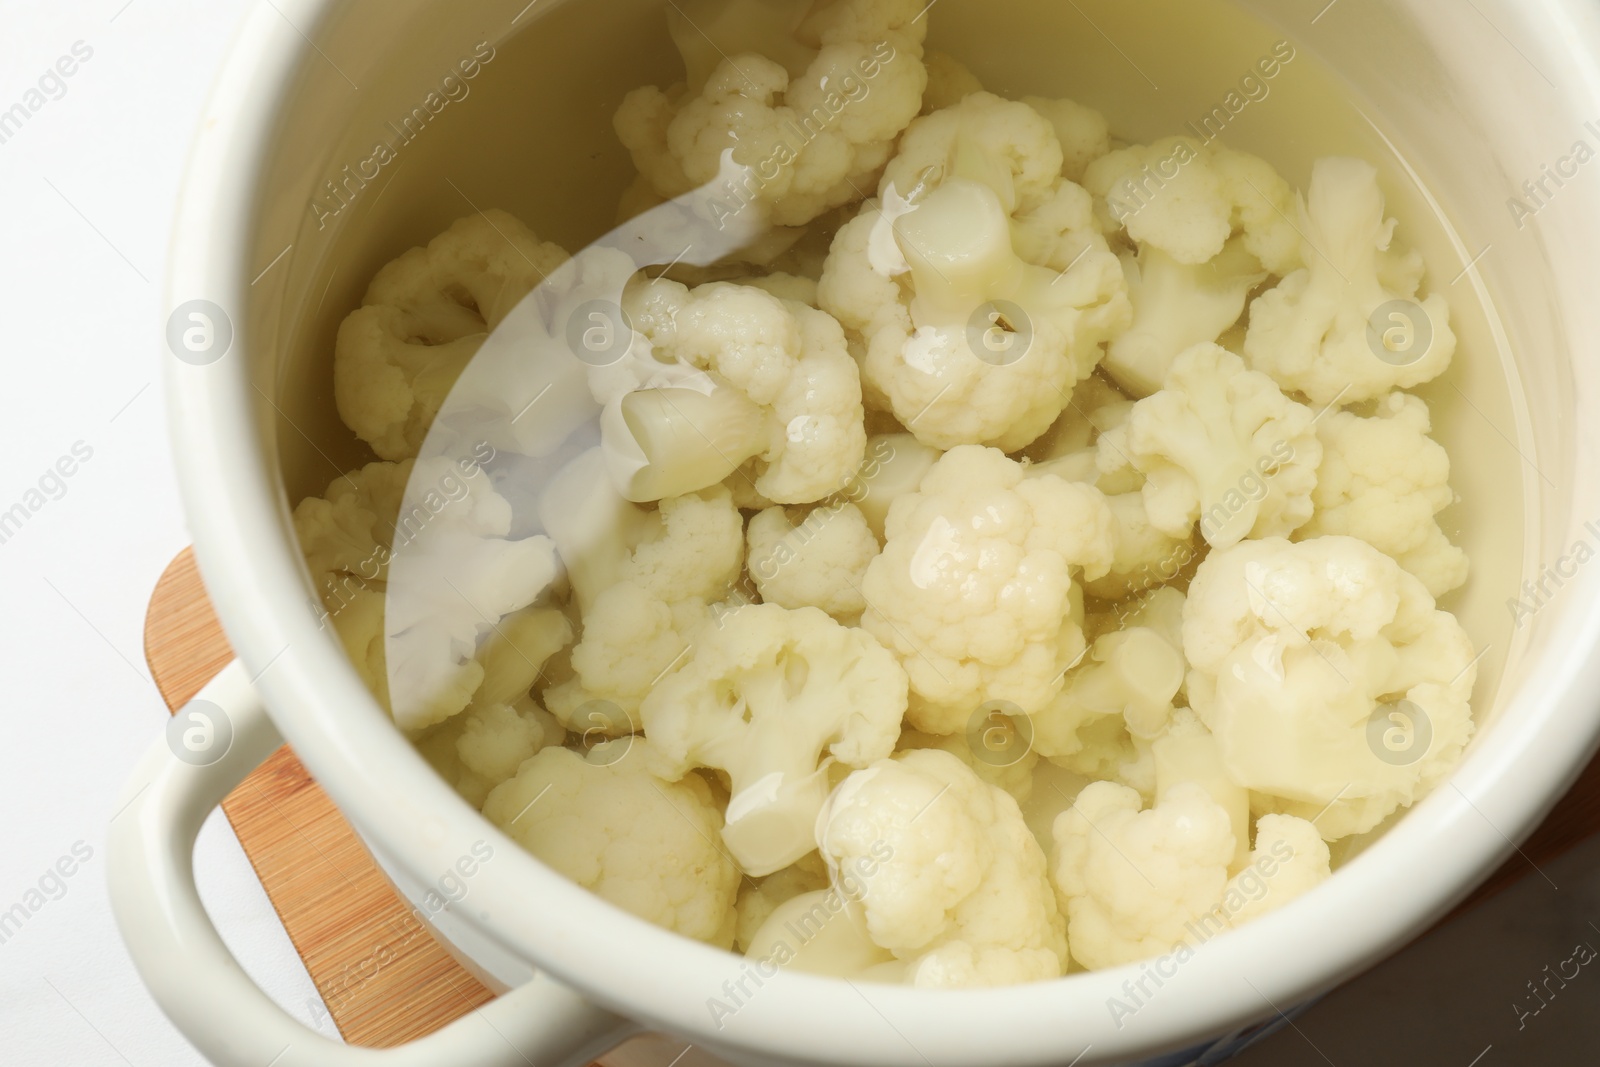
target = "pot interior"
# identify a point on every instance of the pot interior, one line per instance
(1392, 83)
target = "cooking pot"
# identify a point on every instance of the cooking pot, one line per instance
(288, 209)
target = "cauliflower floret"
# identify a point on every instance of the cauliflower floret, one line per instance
(1383, 479)
(455, 575)
(1316, 333)
(969, 344)
(1129, 677)
(1176, 306)
(778, 387)
(1187, 199)
(1144, 556)
(1131, 881)
(496, 738)
(378, 572)
(1187, 752)
(606, 823)
(894, 467)
(1012, 148)
(1219, 443)
(347, 533)
(961, 892)
(773, 697)
(423, 319)
(824, 932)
(1328, 677)
(514, 655)
(644, 580)
(1289, 860)
(1081, 131)
(974, 588)
(482, 747)
(810, 103)
(758, 900)
(818, 559)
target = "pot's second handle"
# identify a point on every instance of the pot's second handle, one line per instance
(202, 988)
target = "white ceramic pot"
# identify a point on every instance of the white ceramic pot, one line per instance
(1462, 92)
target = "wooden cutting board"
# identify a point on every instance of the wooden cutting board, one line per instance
(384, 979)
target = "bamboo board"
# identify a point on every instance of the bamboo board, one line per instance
(384, 979)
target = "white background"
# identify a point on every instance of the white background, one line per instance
(88, 188)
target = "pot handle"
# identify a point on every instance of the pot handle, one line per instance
(196, 980)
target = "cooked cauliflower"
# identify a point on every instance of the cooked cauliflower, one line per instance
(815, 559)
(974, 587)
(979, 289)
(1187, 199)
(1289, 860)
(644, 580)
(1328, 677)
(1219, 443)
(1383, 479)
(1011, 148)
(776, 386)
(484, 745)
(347, 533)
(413, 595)
(895, 465)
(758, 900)
(963, 896)
(1175, 307)
(1080, 130)
(1131, 881)
(810, 100)
(608, 824)
(1185, 751)
(1128, 675)
(962, 337)
(772, 697)
(1315, 331)
(422, 321)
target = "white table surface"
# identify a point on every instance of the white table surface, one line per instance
(88, 187)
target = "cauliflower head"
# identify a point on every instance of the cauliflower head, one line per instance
(422, 320)
(960, 337)
(894, 467)
(1349, 326)
(1188, 199)
(347, 533)
(1219, 443)
(776, 387)
(1328, 677)
(1175, 307)
(1129, 675)
(978, 289)
(758, 900)
(773, 697)
(1132, 880)
(484, 745)
(1289, 859)
(810, 101)
(1383, 479)
(644, 579)
(608, 824)
(816, 559)
(961, 891)
(974, 590)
